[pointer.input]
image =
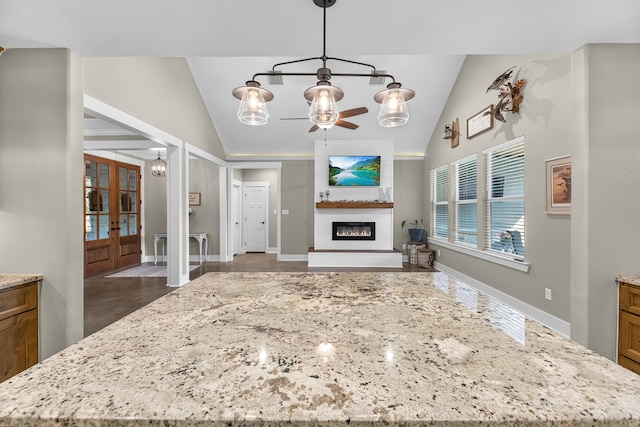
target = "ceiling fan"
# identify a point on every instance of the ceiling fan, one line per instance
(341, 115)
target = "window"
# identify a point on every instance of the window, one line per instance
(466, 218)
(440, 191)
(505, 198)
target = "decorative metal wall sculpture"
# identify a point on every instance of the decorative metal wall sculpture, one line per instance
(509, 94)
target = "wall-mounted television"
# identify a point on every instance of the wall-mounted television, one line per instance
(354, 171)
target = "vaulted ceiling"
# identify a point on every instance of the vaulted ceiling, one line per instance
(422, 43)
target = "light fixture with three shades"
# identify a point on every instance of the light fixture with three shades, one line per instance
(323, 97)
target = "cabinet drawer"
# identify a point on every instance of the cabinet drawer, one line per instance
(18, 300)
(630, 298)
(629, 364)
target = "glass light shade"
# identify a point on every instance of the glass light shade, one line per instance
(323, 109)
(253, 108)
(158, 167)
(393, 111)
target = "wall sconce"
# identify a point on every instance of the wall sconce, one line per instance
(452, 132)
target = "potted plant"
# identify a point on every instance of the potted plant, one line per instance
(415, 234)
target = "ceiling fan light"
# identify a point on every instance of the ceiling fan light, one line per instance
(393, 109)
(323, 107)
(253, 109)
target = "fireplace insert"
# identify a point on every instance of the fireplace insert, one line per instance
(353, 231)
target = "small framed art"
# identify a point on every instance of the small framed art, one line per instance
(559, 185)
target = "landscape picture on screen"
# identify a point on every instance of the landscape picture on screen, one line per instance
(354, 171)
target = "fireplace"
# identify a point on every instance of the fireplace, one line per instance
(353, 231)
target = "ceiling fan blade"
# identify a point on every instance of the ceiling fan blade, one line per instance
(314, 128)
(353, 112)
(347, 125)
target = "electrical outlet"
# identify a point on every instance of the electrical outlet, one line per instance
(438, 252)
(547, 293)
(404, 246)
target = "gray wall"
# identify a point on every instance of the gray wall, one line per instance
(569, 107)
(544, 120)
(409, 191)
(606, 206)
(203, 179)
(41, 173)
(158, 91)
(270, 176)
(297, 197)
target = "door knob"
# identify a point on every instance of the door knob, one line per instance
(262, 222)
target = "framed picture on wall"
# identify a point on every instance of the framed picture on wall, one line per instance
(480, 122)
(559, 185)
(194, 199)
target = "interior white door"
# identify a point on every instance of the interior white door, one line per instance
(255, 218)
(236, 217)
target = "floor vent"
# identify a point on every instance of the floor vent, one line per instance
(275, 80)
(377, 80)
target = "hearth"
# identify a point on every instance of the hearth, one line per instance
(353, 231)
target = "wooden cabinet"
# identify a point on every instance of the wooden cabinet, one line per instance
(629, 325)
(18, 329)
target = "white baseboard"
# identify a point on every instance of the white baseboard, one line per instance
(192, 258)
(272, 250)
(548, 320)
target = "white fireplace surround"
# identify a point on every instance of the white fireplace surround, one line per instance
(361, 252)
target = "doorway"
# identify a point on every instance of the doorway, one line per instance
(112, 215)
(255, 221)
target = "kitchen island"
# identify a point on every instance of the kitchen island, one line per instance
(324, 349)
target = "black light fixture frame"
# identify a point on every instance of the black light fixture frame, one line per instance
(324, 74)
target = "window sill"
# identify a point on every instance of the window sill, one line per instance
(510, 262)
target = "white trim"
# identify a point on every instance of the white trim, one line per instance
(198, 152)
(504, 145)
(272, 250)
(110, 114)
(285, 257)
(241, 158)
(560, 326)
(118, 157)
(514, 263)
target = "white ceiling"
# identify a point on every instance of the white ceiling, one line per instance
(422, 43)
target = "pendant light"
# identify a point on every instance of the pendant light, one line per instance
(158, 167)
(253, 103)
(323, 102)
(393, 111)
(323, 97)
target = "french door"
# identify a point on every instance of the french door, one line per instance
(112, 215)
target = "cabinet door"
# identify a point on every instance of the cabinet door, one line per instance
(629, 337)
(18, 343)
(630, 298)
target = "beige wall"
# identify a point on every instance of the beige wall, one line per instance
(158, 91)
(409, 191)
(41, 173)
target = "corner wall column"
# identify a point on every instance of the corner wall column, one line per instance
(177, 212)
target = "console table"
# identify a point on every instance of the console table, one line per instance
(202, 238)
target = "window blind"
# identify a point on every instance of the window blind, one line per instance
(466, 178)
(440, 221)
(505, 216)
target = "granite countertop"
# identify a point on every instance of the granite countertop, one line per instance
(8, 281)
(232, 349)
(631, 280)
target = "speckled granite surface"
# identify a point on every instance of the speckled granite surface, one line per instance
(8, 281)
(631, 280)
(324, 349)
